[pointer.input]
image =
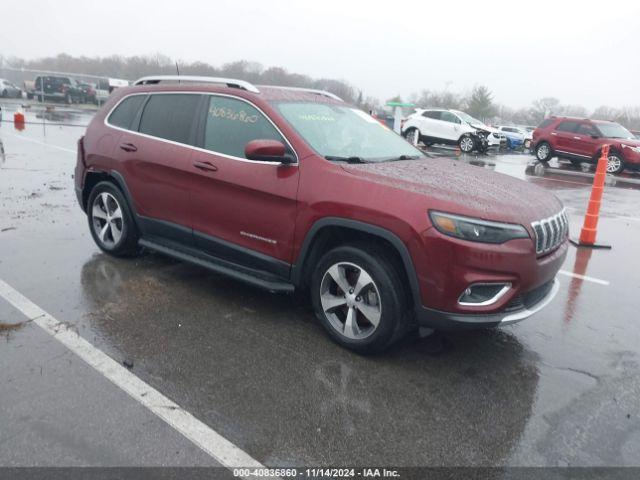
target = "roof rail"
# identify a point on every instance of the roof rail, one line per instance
(229, 82)
(324, 93)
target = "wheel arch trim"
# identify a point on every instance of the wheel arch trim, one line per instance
(298, 269)
(118, 178)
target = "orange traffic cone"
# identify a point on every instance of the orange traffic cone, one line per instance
(590, 226)
(18, 120)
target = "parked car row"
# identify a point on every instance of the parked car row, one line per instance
(63, 89)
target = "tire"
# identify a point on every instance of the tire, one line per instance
(615, 163)
(382, 297)
(412, 135)
(111, 222)
(466, 143)
(543, 152)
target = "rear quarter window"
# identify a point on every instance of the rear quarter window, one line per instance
(126, 112)
(567, 126)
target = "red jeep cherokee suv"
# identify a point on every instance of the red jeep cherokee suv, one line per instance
(581, 141)
(289, 189)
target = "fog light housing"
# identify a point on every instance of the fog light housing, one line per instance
(483, 294)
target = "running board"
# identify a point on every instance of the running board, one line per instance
(222, 267)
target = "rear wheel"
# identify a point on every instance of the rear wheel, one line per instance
(111, 222)
(543, 152)
(358, 298)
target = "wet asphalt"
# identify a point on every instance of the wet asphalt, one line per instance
(560, 388)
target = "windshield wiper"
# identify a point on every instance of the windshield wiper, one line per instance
(402, 157)
(335, 158)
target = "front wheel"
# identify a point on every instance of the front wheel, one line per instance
(466, 143)
(615, 164)
(358, 297)
(111, 222)
(543, 152)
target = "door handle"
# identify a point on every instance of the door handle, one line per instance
(577, 138)
(128, 147)
(206, 166)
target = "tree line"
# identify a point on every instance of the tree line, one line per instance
(479, 102)
(137, 66)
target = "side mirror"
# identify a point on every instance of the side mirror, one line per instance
(267, 151)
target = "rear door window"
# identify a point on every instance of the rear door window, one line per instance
(586, 129)
(170, 116)
(433, 114)
(567, 126)
(232, 123)
(449, 117)
(126, 112)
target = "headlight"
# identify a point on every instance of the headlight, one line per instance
(475, 229)
(634, 149)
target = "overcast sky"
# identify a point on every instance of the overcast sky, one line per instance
(584, 53)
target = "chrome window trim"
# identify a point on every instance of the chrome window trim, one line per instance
(501, 293)
(574, 154)
(204, 150)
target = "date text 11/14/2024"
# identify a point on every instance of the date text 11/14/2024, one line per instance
(316, 473)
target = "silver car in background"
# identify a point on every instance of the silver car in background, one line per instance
(9, 90)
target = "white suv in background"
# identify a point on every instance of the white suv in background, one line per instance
(449, 127)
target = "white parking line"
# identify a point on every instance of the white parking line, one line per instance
(27, 139)
(218, 447)
(584, 277)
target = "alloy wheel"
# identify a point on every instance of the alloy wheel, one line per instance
(543, 152)
(613, 164)
(466, 144)
(350, 300)
(107, 221)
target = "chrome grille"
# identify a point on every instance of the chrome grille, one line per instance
(551, 232)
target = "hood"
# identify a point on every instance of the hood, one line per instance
(486, 128)
(457, 187)
(623, 141)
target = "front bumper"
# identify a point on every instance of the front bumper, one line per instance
(447, 321)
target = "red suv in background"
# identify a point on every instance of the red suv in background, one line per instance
(581, 141)
(290, 189)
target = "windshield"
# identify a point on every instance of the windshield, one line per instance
(343, 133)
(613, 130)
(469, 119)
